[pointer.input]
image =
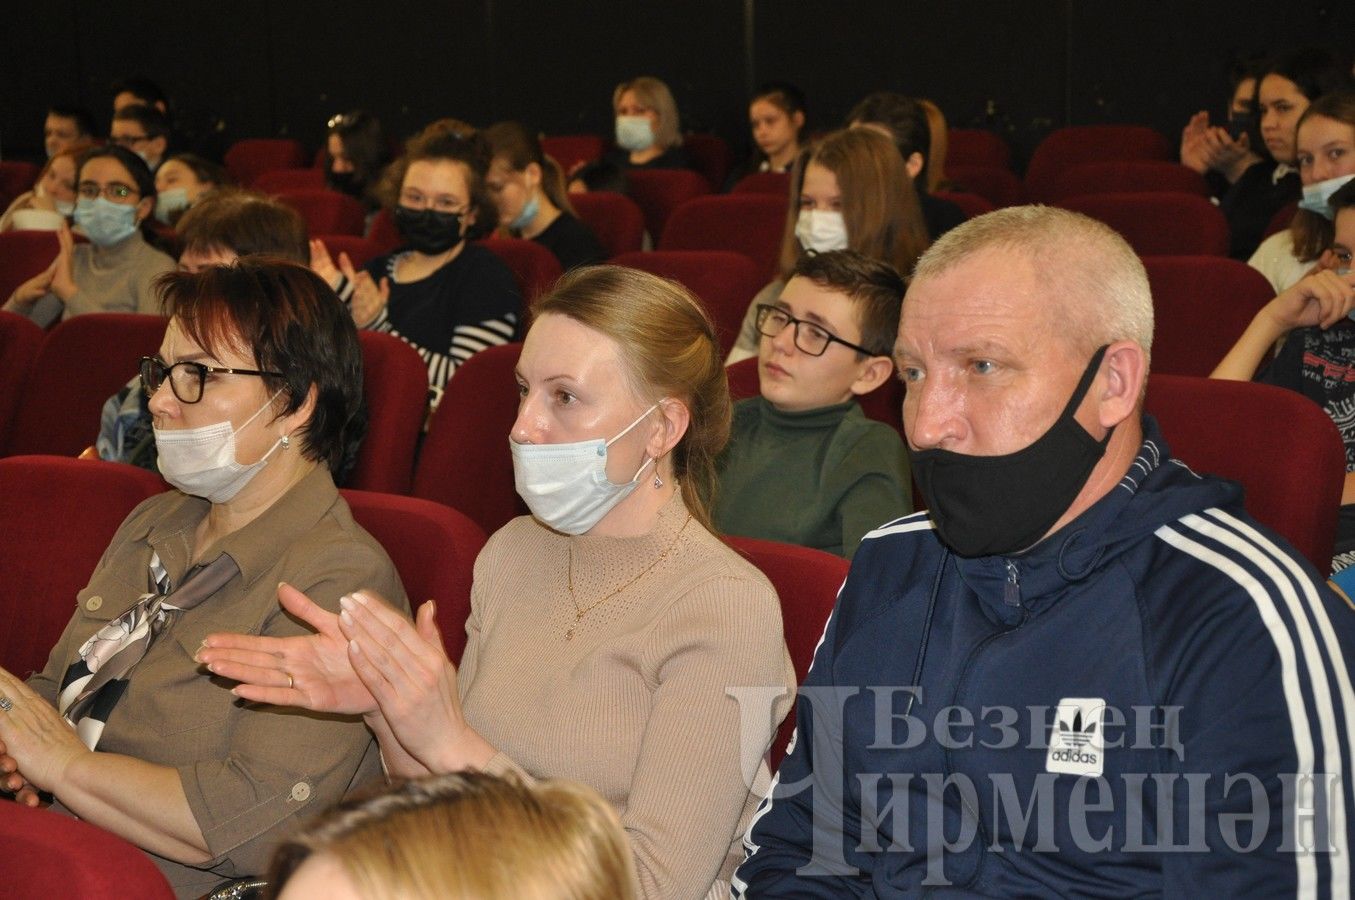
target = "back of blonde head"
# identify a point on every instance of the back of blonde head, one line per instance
(1090, 274)
(668, 348)
(471, 836)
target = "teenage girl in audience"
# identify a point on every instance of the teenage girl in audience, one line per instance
(776, 116)
(1284, 88)
(529, 191)
(1311, 321)
(257, 395)
(181, 181)
(443, 295)
(647, 137)
(464, 836)
(52, 200)
(1325, 157)
(849, 192)
(1223, 153)
(355, 153)
(606, 628)
(114, 271)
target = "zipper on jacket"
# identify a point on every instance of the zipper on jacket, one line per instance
(1011, 591)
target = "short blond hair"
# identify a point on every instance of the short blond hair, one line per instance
(471, 836)
(654, 94)
(1092, 272)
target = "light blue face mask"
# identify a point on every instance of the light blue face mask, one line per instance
(634, 133)
(169, 203)
(529, 211)
(104, 222)
(1317, 197)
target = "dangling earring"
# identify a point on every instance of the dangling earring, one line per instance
(658, 482)
(286, 441)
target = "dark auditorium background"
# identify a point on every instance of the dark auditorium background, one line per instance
(254, 68)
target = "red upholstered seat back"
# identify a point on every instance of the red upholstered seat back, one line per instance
(20, 341)
(1076, 144)
(1282, 447)
(1159, 224)
(751, 224)
(246, 160)
(60, 515)
(360, 250)
(614, 218)
(725, 282)
(326, 211)
(971, 204)
(710, 156)
(571, 149)
(23, 255)
(1201, 306)
(998, 186)
(279, 181)
(49, 855)
(15, 178)
(977, 147)
(660, 191)
(465, 461)
(806, 582)
(775, 183)
(1132, 176)
(433, 548)
(534, 267)
(83, 362)
(395, 382)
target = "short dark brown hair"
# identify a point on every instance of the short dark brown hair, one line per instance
(289, 320)
(454, 140)
(245, 223)
(874, 287)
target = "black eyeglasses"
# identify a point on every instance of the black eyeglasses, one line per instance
(810, 338)
(186, 379)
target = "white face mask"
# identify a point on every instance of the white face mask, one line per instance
(821, 230)
(201, 461)
(1317, 197)
(566, 485)
(634, 133)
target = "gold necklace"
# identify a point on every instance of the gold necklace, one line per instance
(580, 612)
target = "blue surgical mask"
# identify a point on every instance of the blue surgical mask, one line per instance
(566, 485)
(168, 204)
(104, 222)
(634, 133)
(1317, 197)
(529, 211)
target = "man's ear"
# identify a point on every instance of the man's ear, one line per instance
(1124, 371)
(875, 371)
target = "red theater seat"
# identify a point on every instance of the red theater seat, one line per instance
(1077, 144)
(613, 218)
(569, 150)
(395, 382)
(434, 550)
(971, 204)
(976, 147)
(1131, 176)
(1159, 224)
(326, 211)
(806, 582)
(465, 461)
(360, 250)
(998, 186)
(60, 516)
(280, 180)
(1292, 474)
(246, 160)
(83, 362)
(20, 341)
(24, 255)
(710, 156)
(1201, 306)
(777, 183)
(660, 191)
(725, 282)
(751, 224)
(534, 267)
(16, 177)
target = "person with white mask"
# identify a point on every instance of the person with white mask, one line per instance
(607, 627)
(1325, 157)
(850, 191)
(647, 136)
(181, 181)
(115, 270)
(52, 200)
(256, 392)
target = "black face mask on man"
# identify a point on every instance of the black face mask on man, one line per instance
(999, 505)
(427, 230)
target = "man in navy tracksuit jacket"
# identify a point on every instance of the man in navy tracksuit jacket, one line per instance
(1152, 699)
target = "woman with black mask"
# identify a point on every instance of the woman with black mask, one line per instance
(446, 297)
(355, 152)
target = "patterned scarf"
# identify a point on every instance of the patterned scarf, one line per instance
(95, 682)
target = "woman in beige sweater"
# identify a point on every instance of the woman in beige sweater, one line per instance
(611, 631)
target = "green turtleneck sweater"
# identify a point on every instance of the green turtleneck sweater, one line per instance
(821, 478)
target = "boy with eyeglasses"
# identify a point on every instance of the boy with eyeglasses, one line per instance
(804, 465)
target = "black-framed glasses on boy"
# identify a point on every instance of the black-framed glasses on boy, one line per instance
(809, 337)
(186, 378)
